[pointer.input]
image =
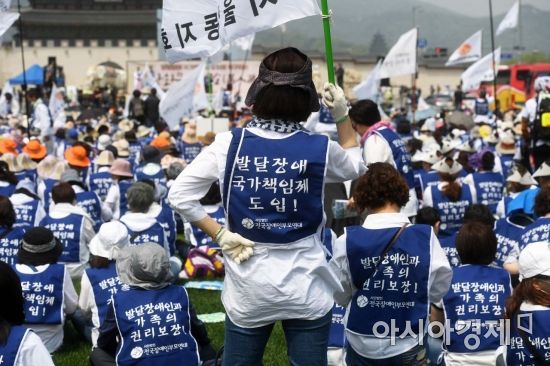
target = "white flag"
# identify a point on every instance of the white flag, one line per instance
(468, 51)
(178, 101)
(510, 21)
(5, 5)
(149, 81)
(6, 20)
(482, 70)
(200, 28)
(401, 60)
(245, 43)
(368, 88)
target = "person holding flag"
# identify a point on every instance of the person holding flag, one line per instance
(272, 175)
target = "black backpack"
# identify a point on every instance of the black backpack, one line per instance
(542, 118)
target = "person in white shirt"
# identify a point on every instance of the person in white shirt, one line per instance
(41, 118)
(42, 275)
(392, 290)
(273, 241)
(19, 346)
(9, 106)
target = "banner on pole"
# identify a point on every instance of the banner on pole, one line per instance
(5, 5)
(468, 51)
(401, 60)
(510, 21)
(200, 28)
(482, 70)
(7, 18)
(368, 88)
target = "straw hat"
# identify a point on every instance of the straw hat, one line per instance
(8, 146)
(443, 167)
(143, 131)
(123, 148)
(122, 168)
(25, 162)
(103, 141)
(543, 171)
(126, 125)
(448, 146)
(58, 170)
(35, 150)
(527, 180)
(106, 158)
(77, 156)
(515, 177)
(466, 147)
(46, 166)
(507, 144)
(10, 159)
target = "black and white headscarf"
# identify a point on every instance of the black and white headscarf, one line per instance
(275, 125)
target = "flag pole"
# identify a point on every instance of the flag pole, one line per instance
(24, 88)
(493, 51)
(328, 41)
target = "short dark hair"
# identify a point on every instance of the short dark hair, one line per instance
(103, 130)
(33, 93)
(479, 213)
(136, 93)
(428, 216)
(382, 184)
(213, 196)
(284, 101)
(476, 243)
(140, 197)
(153, 91)
(542, 202)
(364, 112)
(11, 312)
(7, 212)
(63, 193)
(488, 161)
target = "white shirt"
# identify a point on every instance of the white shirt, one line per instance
(438, 284)
(377, 150)
(18, 199)
(52, 334)
(278, 282)
(4, 107)
(87, 304)
(188, 227)
(529, 112)
(32, 352)
(42, 118)
(112, 200)
(62, 210)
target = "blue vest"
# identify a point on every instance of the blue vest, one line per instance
(135, 152)
(154, 328)
(273, 188)
(159, 178)
(43, 295)
(428, 179)
(67, 230)
(105, 283)
(489, 189)
(9, 244)
(154, 234)
(475, 303)
(123, 187)
(506, 164)
(481, 107)
(400, 154)
(26, 214)
(448, 244)
(337, 336)
(537, 231)
(398, 290)
(189, 152)
(507, 235)
(100, 184)
(49, 184)
(201, 238)
(167, 220)
(26, 174)
(10, 350)
(325, 116)
(89, 202)
(451, 213)
(8, 190)
(518, 353)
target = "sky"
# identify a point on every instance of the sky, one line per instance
(481, 7)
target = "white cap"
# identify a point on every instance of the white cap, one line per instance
(103, 141)
(534, 260)
(448, 146)
(112, 237)
(515, 177)
(443, 167)
(543, 171)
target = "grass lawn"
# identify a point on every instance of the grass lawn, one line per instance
(75, 352)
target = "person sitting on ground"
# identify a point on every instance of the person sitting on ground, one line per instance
(28, 207)
(116, 200)
(9, 235)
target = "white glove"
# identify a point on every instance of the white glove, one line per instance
(237, 247)
(335, 100)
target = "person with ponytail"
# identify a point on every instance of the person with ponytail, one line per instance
(19, 346)
(450, 198)
(486, 185)
(529, 306)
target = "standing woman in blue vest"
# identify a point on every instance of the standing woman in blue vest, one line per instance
(486, 185)
(399, 288)
(47, 287)
(475, 301)
(450, 197)
(19, 346)
(272, 175)
(529, 307)
(9, 235)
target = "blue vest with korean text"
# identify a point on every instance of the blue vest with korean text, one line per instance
(153, 234)
(337, 336)
(49, 184)
(89, 202)
(325, 116)
(105, 283)
(154, 328)
(273, 188)
(489, 189)
(9, 244)
(536, 232)
(398, 290)
(10, 350)
(43, 295)
(7, 190)
(201, 238)
(189, 152)
(123, 187)
(481, 107)
(451, 213)
(400, 155)
(67, 230)
(135, 152)
(448, 244)
(429, 179)
(507, 235)
(506, 164)
(518, 353)
(474, 306)
(26, 213)
(100, 184)
(167, 220)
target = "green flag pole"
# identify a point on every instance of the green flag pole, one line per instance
(328, 40)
